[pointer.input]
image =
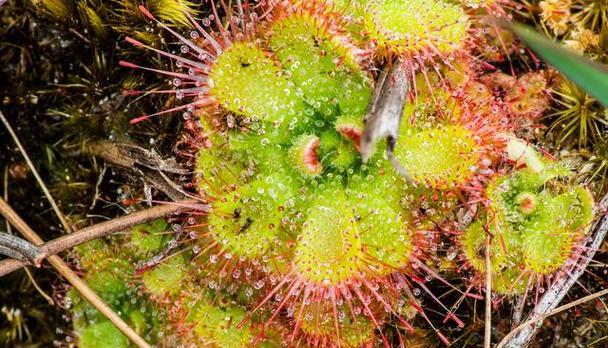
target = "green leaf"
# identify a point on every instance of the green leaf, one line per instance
(591, 76)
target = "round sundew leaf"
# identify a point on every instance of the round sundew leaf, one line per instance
(254, 148)
(439, 157)
(93, 253)
(473, 242)
(247, 82)
(352, 7)
(505, 257)
(320, 66)
(543, 225)
(329, 250)
(110, 288)
(386, 234)
(217, 327)
(139, 322)
(431, 106)
(108, 274)
(254, 219)
(409, 26)
(220, 169)
(148, 238)
(582, 208)
(378, 179)
(505, 193)
(355, 94)
(274, 159)
(298, 44)
(102, 335)
(166, 277)
(258, 156)
(348, 235)
(548, 239)
(110, 281)
(259, 133)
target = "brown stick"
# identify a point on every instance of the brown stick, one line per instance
(97, 231)
(28, 272)
(20, 249)
(82, 287)
(541, 317)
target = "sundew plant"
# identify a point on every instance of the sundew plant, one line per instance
(305, 243)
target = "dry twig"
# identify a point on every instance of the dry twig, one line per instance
(71, 277)
(101, 230)
(539, 318)
(28, 272)
(81, 286)
(148, 164)
(20, 249)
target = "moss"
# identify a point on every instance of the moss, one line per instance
(174, 11)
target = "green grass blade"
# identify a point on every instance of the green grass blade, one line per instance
(591, 76)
